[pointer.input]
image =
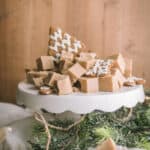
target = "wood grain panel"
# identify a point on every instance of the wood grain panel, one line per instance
(106, 26)
(22, 38)
(135, 38)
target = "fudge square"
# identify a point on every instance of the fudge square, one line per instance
(89, 84)
(45, 63)
(64, 85)
(128, 68)
(66, 56)
(119, 62)
(64, 65)
(35, 74)
(52, 78)
(119, 76)
(38, 82)
(76, 71)
(86, 62)
(108, 83)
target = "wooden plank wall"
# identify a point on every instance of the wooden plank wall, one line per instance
(106, 26)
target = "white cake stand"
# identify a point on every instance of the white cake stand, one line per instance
(79, 103)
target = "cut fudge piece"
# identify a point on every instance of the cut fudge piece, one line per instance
(52, 78)
(76, 71)
(64, 65)
(64, 85)
(90, 55)
(35, 74)
(140, 81)
(66, 56)
(86, 62)
(89, 85)
(38, 82)
(45, 63)
(119, 62)
(119, 76)
(132, 81)
(108, 144)
(108, 83)
(128, 68)
(129, 83)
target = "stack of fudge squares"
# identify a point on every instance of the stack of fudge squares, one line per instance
(68, 68)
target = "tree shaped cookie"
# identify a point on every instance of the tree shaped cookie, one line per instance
(61, 41)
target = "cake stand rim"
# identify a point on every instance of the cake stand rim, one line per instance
(59, 104)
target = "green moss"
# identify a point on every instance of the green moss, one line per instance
(96, 127)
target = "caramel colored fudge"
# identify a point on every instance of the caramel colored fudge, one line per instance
(119, 76)
(108, 144)
(128, 68)
(86, 62)
(38, 82)
(45, 63)
(64, 65)
(132, 81)
(76, 71)
(108, 83)
(66, 56)
(89, 85)
(52, 78)
(64, 86)
(140, 81)
(119, 62)
(35, 74)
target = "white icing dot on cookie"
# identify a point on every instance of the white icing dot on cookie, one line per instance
(55, 47)
(77, 45)
(57, 35)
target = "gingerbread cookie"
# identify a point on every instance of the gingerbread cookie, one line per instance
(100, 68)
(59, 41)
